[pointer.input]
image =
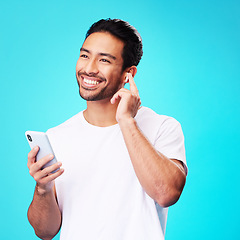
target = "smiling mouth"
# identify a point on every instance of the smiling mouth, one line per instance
(90, 82)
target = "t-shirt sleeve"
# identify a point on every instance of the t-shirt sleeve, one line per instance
(170, 141)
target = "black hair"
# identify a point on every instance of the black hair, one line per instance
(132, 51)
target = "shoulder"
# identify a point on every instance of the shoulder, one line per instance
(156, 126)
(148, 116)
(67, 124)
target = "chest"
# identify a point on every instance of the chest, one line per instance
(94, 159)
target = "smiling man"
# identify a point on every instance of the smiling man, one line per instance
(123, 164)
(99, 67)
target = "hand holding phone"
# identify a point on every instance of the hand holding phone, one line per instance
(40, 139)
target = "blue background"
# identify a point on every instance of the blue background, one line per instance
(190, 70)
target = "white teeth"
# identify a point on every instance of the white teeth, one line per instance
(92, 82)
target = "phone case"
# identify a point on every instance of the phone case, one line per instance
(40, 139)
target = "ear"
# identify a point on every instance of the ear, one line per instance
(132, 70)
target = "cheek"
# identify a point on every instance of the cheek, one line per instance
(116, 74)
(78, 66)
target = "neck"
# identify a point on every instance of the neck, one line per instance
(101, 113)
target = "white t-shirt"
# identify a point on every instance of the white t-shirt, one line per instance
(99, 194)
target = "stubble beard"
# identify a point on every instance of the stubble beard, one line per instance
(92, 95)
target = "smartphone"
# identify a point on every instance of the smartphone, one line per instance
(40, 139)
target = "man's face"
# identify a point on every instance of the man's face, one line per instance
(99, 67)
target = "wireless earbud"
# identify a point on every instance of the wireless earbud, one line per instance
(126, 79)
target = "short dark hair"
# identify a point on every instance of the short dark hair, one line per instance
(132, 51)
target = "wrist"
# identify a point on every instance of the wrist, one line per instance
(126, 122)
(42, 191)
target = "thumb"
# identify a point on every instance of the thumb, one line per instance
(115, 97)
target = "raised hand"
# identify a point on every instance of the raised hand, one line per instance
(129, 101)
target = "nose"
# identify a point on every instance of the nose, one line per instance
(91, 67)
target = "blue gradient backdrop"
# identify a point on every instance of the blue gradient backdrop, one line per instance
(190, 70)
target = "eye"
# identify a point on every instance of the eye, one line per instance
(83, 56)
(105, 60)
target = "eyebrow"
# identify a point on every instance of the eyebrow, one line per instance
(101, 54)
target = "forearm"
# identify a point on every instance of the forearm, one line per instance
(44, 214)
(159, 176)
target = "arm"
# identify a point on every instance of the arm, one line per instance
(162, 178)
(43, 213)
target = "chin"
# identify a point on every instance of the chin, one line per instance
(90, 97)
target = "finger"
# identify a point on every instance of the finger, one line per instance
(133, 86)
(32, 156)
(47, 171)
(39, 164)
(51, 177)
(117, 95)
(114, 98)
